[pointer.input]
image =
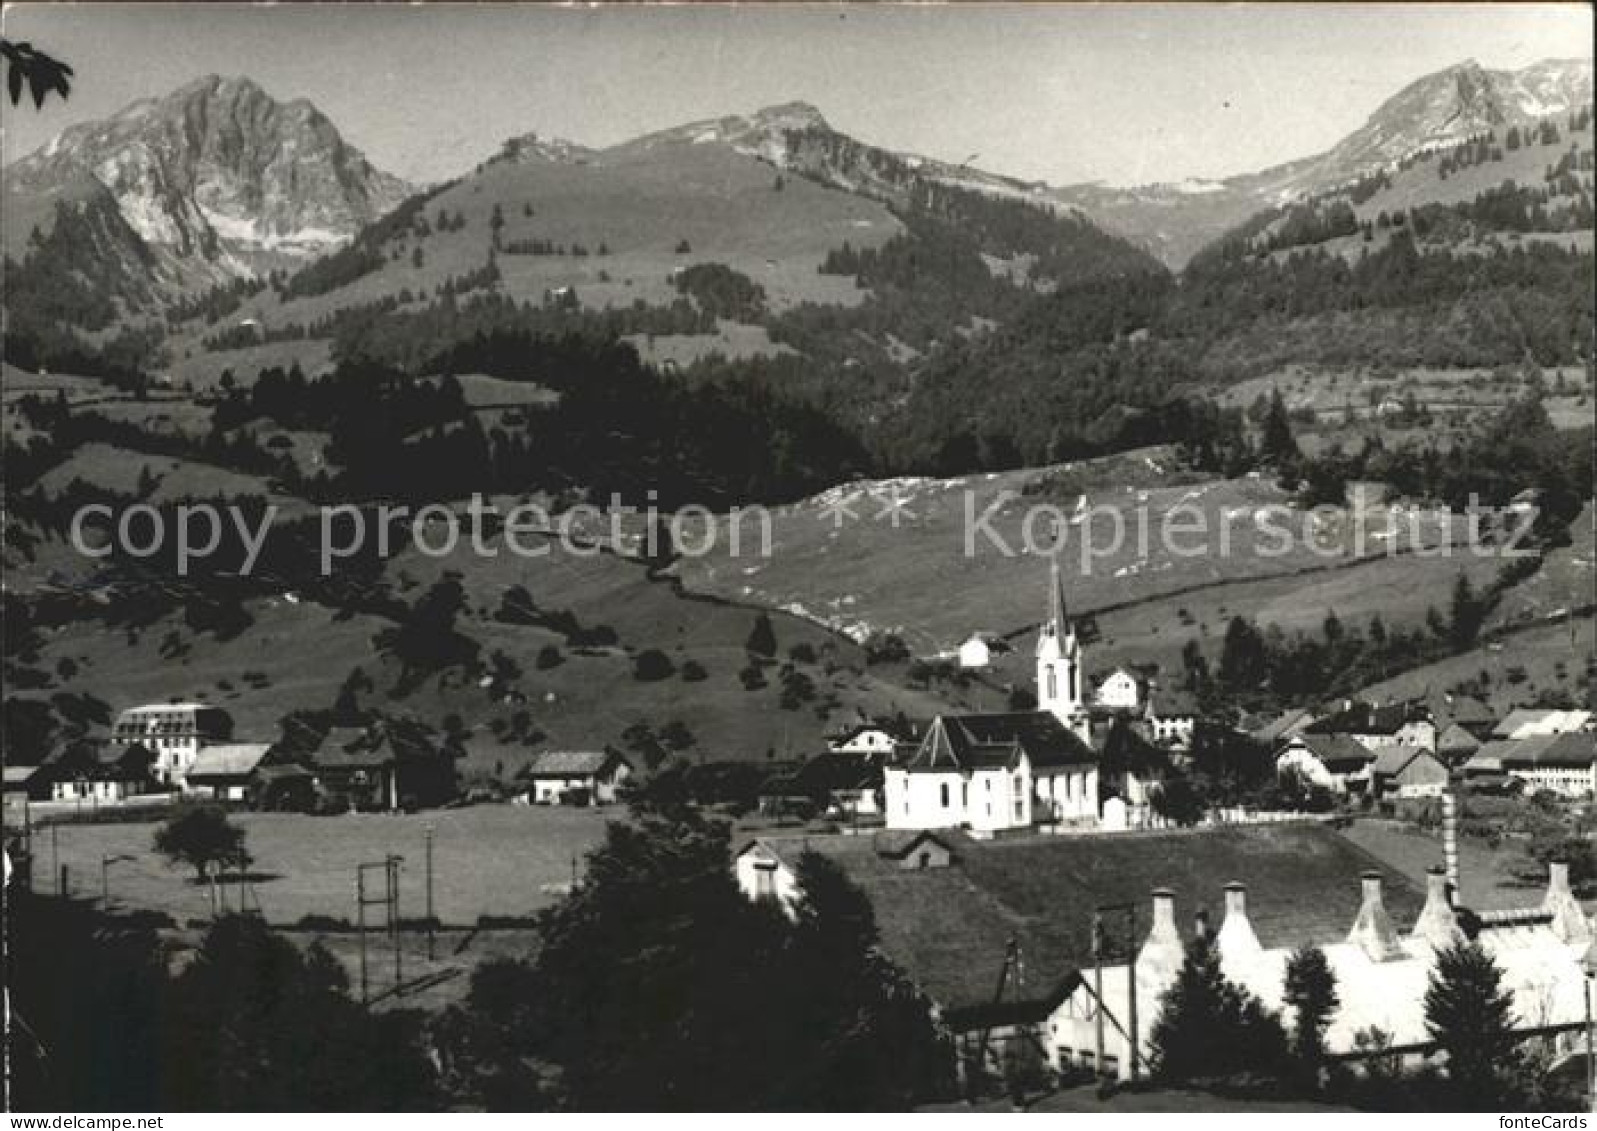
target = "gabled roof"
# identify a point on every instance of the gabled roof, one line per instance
(1283, 725)
(836, 770)
(1540, 721)
(1335, 751)
(571, 763)
(1365, 718)
(1457, 740)
(972, 742)
(18, 777)
(949, 928)
(231, 760)
(1393, 759)
(1574, 749)
(1463, 710)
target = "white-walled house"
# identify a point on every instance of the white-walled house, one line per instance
(975, 653)
(555, 775)
(1336, 761)
(866, 738)
(1120, 690)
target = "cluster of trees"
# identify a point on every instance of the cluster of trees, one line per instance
(364, 254)
(722, 292)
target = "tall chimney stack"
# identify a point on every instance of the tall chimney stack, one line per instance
(1450, 839)
(1372, 930)
(1162, 951)
(1438, 922)
(1569, 921)
(1236, 938)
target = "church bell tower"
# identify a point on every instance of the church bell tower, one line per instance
(1059, 661)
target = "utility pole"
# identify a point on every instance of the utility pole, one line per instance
(55, 860)
(1097, 991)
(360, 929)
(1131, 988)
(430, 920)
(391, 865)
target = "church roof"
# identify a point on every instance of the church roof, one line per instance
(972, 742)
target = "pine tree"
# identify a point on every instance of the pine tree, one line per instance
(1469, 1015)
(1210, 1028)
(1310, 991)
(1277, 444)
(762, 637)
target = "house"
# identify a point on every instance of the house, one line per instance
(1120, 690)
(284, 787)
(991, 773)
(1403, 724)
(975, 653)
(1462, 711)
(1170, 715)
(590, 777)
(1272, 732)
(95, 771)
(384, 766)
(226, 772)
(1456, 744)
(24, 784)
(175, 732)
(877, 737)
(996, 933)
(1381, 974)
(1407, 771)
(1553, 763)
(835, 782)
(1338, 762)
(1526, 722)
(1131, 767)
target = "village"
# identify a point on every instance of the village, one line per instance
(1025, 868)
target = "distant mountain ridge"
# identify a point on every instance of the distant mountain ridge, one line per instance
(1438, 110)
(217, 179)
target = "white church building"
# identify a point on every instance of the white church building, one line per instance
(989, 773)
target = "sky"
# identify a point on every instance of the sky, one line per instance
(1125, 94)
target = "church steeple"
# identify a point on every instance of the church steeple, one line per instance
(1059, 659)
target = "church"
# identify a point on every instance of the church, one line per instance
(989, 773)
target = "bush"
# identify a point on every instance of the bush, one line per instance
(693, 671)
(651, 665)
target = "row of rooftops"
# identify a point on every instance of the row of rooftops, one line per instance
(950, 907)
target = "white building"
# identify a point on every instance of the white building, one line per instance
(175, 733)
(1381, 976)
(1336, 761)
(595, 776)
(994, 772)
(975, 653)
(866, 738)
(1120, 690)
(1564, 764)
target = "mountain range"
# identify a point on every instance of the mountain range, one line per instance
(219, 180)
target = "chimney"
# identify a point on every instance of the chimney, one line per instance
(1162, 950)
(1438, 923)
(1569, 921)
(1236, 938)
(1372, 930)
(1450, 839)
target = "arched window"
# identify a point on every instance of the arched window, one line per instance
(1053, 684)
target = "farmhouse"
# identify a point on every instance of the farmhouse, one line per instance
(1381, 974)
(382, 767)
(1119, 690)
(576, 776)
(96, 771)
(1339, 762)
(175, 733)
(1535, 723)
(838, 783)
(1554, 763)
(996, 932)
(24, 784)
(226, 772)
(1402, 724)
(1407, 771)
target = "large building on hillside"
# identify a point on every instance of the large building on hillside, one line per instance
(175, 733)
(990, 773)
